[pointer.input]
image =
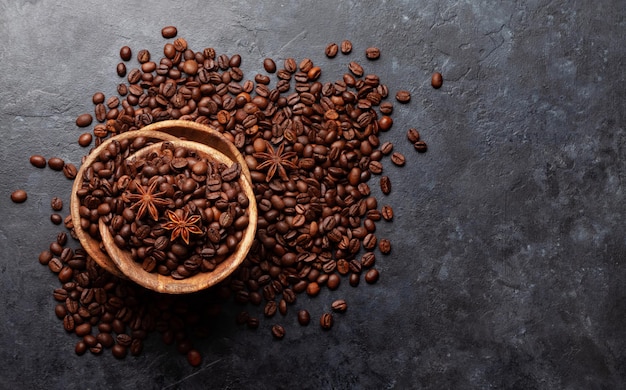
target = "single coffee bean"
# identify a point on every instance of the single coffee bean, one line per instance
(387, 213)
(270, 309)
(333, 281)
(38, 161)
(70, 171)
(386, 148)
(19, 196)
(326, 321)
(98, 98)
(290, 65)
(384, 245)
(372, 53)
(119, 351)
(368, 259)
(420, 146)
(44, 258)
(436, 80)
(56, 204)
(371, 276)
(385, 185)
(121, 69)
(96, 349)
(85, 139)
(80, 348)
(56, 163)
(398, 159)
(403, 96)
(386, 108)
(169, 32)
(304, 317)
(56, 219)
(346, 46)
(413, 135)
(339, 306)
(194, 358)
(278, 331)
(313, 289)
(126, 53)
(269, 65)
(354, 279)
(331, 50)
(83, 329)
(84, 120)
(143, 56)
(252, 323)
(355, 68)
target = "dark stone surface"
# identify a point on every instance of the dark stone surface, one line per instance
(507, 268)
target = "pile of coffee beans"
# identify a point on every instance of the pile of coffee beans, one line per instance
(312, 148)
(176, 211)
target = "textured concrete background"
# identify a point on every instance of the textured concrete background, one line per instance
(508, 268)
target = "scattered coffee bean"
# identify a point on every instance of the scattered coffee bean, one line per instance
(70, 171)
(384, 245)
(121, 69)
(84, 140)
(436, 80)
(304, 317)
(84, 120)
(326, 321)
(56, 219)
(56, 204)
(371, 276)
(269, 65)
(346, 47)
(125, 53)
(372, 53)
(387, 213)
(385, 185)
(339, 306)
(420, 146)
(386, 148)
(278, 331)
(331, 50)
(355, 68)
(194, 358)
(403, 96)
(56, 163)
(169, 32)
(19, 196)
(398, 159)
(38, 161)
(413, 135)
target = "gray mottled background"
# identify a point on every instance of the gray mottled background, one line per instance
(508, 264)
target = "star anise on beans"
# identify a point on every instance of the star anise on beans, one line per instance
(181, 225)
(276, 161)
(146, 200)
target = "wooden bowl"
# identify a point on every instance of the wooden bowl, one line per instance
(202, 280)
(91, 245)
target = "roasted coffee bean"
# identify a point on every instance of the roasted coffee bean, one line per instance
(269, 65)
(194, 358)
(331, 50)
(346, 46)
(126, 53)
(19, 196)
(119, 351)
(333, 281)
(420, 146)
(368, 259)
(278, 331)
(96, 349)
(386, 108)
(387, 213)
(56, 204)
(270, 309)
(143, 56)
(413, 135)
(56, 163)
(121, 69)
(398, 159)
(56, 219)
(38, 161)
(304, 317)
(354, 279)
(84, 120)
(372, 53)
(403, 96)
(355, 68)
(371, 276)
(169, 32)
(84, 140)
(55, 265)
(376, 167)
(384, 245)
(436, 80)
(326, 321)
(385, 185)
(386, 148)
(339, 306)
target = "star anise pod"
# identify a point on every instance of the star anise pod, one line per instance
(276, 160)
(146, 200)
(181, 226)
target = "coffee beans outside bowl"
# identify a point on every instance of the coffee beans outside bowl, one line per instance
(311, 147)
